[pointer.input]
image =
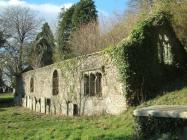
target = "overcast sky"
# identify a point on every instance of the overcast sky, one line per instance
(49, 9)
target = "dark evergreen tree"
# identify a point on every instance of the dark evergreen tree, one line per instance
(80, 13)
(2, 39)
(1, 78)
(42, 49)
(85, 12)
(64, 31)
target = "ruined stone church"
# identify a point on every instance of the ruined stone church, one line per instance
(91, 84)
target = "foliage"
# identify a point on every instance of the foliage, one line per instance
(65, 28)
(42, 49)
(171, 127)
(137, 60)
(2, 39)
(80, 13)
(1, 78)
(2, 42)
(84, 13)
(177, 8)
(164, 126)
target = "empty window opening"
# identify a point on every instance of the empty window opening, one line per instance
(86, 84)
(32, 85)
(55, 83)
(92, 84)
(48, 101)
(75, 110)
(98, 84)
(40, 105)
(47, 105)
(165, 50)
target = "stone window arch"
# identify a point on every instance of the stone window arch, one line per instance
(86, 84)
(92, 84)
(165, 50)
(98, 84)
(32, 84)
(55, 83)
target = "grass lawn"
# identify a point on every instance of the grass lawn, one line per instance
(18, 123)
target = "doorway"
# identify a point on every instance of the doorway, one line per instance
(75, 110)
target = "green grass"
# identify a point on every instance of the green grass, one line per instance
(6, 99)
(5, 96)
(18, 123)
(177, 97)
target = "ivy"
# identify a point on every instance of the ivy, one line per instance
(154, 128)
(137, 60)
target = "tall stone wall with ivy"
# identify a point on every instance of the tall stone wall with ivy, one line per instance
(149, 58)
(132, 72)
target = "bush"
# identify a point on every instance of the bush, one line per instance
(154, 128)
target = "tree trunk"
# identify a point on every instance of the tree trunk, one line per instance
(19, 90)
(20, 57)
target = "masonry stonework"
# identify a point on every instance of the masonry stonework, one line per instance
(71, 99)
(106, 82)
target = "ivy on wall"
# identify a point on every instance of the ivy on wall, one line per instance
(137, 59)
(154, 128)
(144, 61)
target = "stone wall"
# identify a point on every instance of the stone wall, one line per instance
(72, 99)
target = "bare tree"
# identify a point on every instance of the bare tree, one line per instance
(20, 25)
(86, 39)
(119, 30)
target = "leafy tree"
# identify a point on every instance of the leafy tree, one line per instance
(42, 49)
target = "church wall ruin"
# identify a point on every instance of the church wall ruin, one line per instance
(88, 86)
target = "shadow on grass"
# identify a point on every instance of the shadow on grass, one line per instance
(6, 101)
(111, 137)
(1, 109)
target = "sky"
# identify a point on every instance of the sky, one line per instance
(49, 9)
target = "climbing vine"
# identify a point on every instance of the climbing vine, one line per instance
(137, 60)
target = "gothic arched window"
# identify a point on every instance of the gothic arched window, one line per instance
(98, 84)
(92, 84)
(55, 83)
(86, 84)
(32, 85)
